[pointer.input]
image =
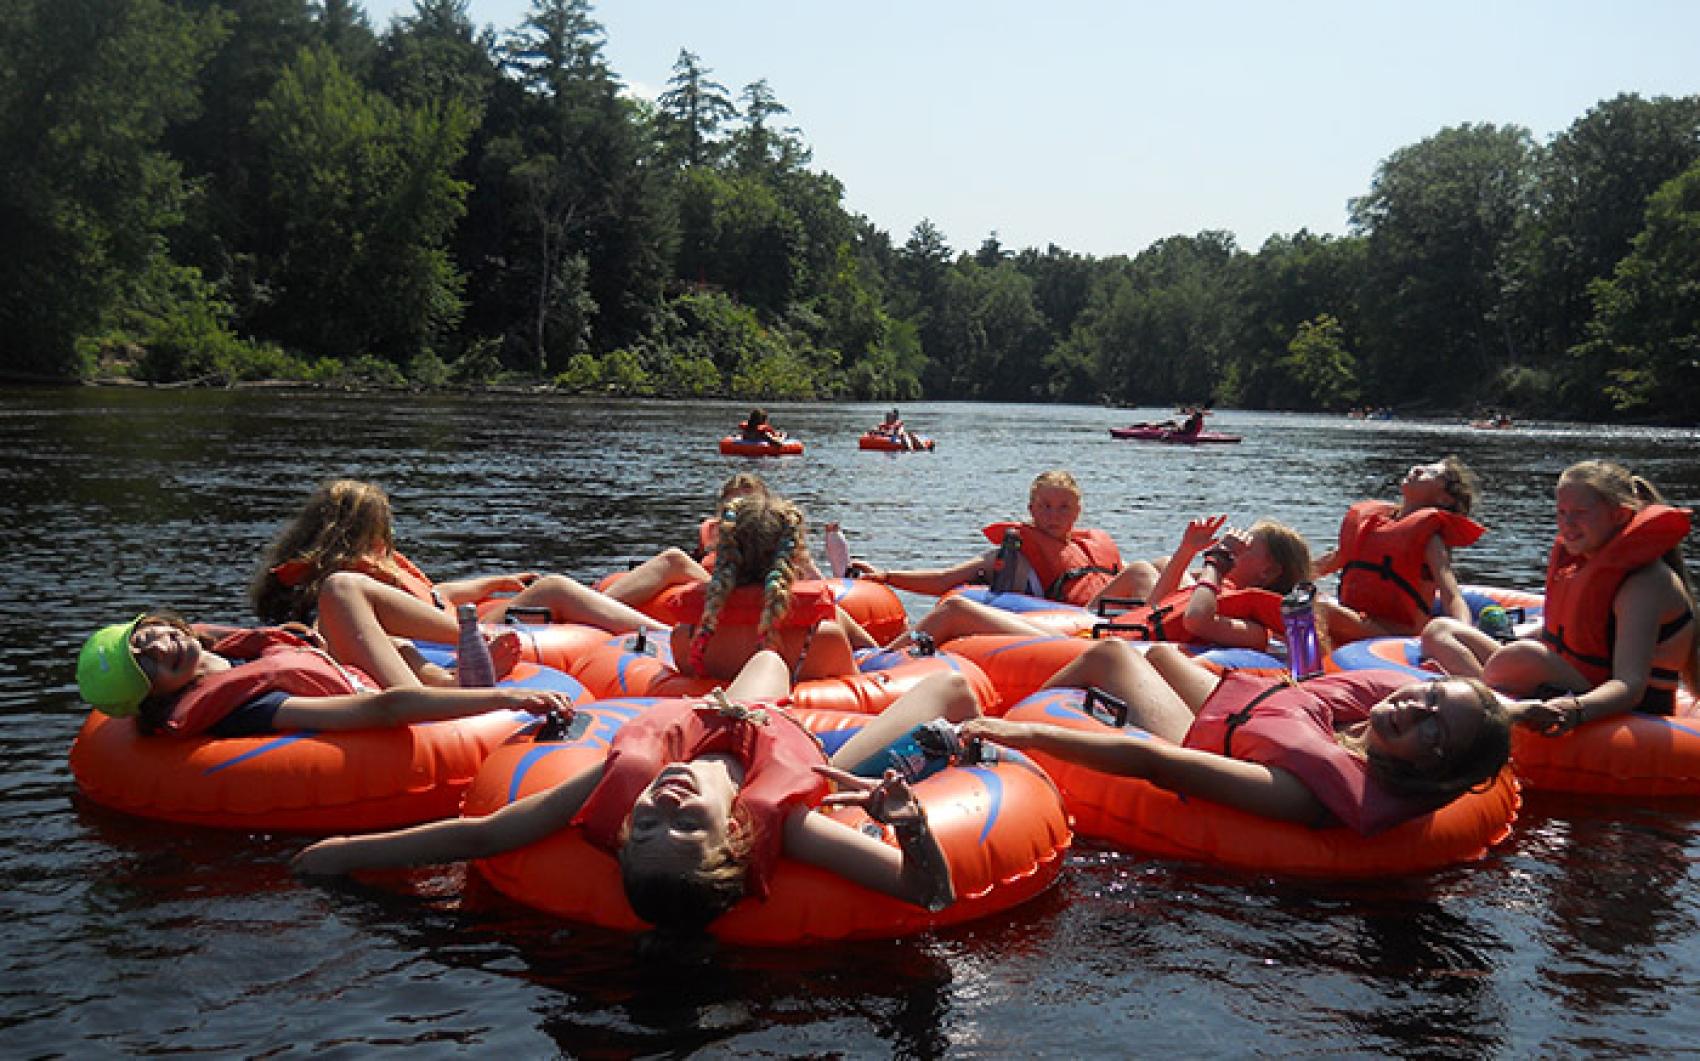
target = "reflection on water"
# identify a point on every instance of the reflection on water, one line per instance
(123, 937)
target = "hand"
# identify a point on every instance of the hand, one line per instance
(323, 859)
(1236, 541)
(509, 583)
(1549, 718)
(863, 569)
(305, 633)
(997, 730)
(539, 702)
(889, 800)
(1201, 532)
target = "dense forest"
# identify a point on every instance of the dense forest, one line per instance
(222, 190)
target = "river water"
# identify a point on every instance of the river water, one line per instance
(1579, 936)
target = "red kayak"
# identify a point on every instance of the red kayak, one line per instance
(1162, 433)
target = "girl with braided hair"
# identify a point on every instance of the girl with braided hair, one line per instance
(758, 598)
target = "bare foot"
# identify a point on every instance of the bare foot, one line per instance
(504, 651)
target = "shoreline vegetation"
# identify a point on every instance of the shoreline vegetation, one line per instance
(238, 191)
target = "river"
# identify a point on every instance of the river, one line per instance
(1579, 936)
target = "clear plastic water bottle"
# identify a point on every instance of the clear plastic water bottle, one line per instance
(1007, 562)
(473, 669)
(1298, 616)
(837, 551)
(911, 761)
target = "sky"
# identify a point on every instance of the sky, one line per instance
(1104, 126)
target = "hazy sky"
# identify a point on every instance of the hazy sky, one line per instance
(1104, 126)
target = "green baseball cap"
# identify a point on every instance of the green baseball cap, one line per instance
(107, 671)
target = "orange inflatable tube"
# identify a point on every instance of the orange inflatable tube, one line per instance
(873, 605)
(307, 782)
(622, 667)
(1131, 813)
(1002, 828)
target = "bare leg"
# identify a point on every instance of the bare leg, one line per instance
(358, 615)
(955, 617)
(1192, 681)
(764, 677)
(664, 570)
(569, 601)
(829, 654)
(1125, 673)
(1135, 580)
(1458, 647)
(859, 638)
(946, 696)
(1520, 668)
(1345, 625)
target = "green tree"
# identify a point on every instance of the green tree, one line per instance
(1439, 217)
(221, 150)
(736, 235)
(1317, 357)
(1645, 336)
(435, 53)
(344, 28)
(693, 111)
(1159, 329)
(1289, 281)
(991, 336)
(761, 148)
(1592, 188)
(565, 181)
(363, 204)
(87, 88)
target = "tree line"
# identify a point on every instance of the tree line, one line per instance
(220, 190)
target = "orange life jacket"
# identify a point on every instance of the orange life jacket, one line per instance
(811, 602)
(778, 754)
(277, 662)
(1259, 719)
(1166, 620)
(1386, 574)
(1074, 570)
(759, 433)
(708, 542)
(1577, 622)
(400, 573)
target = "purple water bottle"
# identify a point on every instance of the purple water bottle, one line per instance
(473, 669)
(1304, 650)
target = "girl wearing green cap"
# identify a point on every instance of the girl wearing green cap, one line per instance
(175, 681)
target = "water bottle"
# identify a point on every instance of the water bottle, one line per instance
(473, 669)
(1007, 562)
(1304, 651)
(837, 551)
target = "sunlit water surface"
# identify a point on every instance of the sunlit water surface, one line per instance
(1579, 936)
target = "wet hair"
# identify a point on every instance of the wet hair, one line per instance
(1288, 548)
(1463, 485)
(153, 711)
(1619, 486)
(1462, 769)
(763, 541)
(1057, 478)
(344, 524)
(757, 417)
(688, 900)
